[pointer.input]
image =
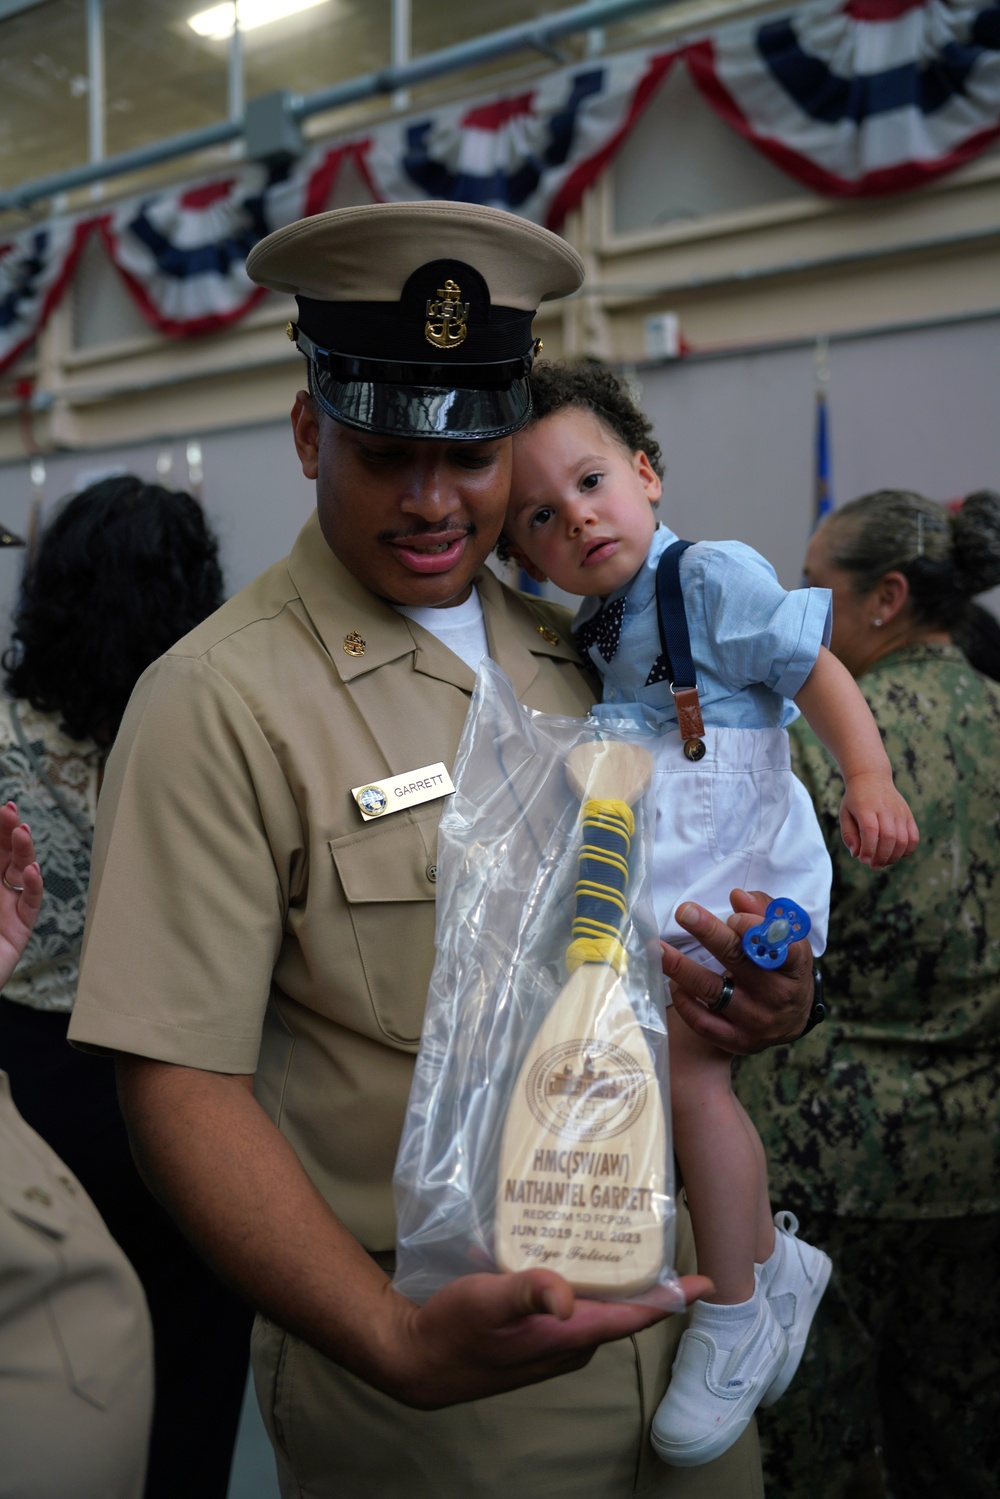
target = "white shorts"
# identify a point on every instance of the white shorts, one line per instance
(737, 817)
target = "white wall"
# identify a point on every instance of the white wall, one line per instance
(913, 410)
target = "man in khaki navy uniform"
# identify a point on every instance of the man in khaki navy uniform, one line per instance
(260, 953)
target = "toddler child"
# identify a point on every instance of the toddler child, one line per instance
(586, 475)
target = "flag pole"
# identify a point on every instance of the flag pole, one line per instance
(37, 476)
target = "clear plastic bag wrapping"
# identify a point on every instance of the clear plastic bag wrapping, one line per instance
(535, 1136)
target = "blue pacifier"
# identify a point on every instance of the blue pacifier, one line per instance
(767, 944)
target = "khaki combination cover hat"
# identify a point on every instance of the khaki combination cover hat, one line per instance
(416, 317)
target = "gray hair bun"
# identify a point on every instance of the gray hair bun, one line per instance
(976, 540)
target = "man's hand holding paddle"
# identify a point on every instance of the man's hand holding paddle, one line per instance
(484, 1334)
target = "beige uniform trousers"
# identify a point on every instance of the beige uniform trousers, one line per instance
(580, 1436)
(76, 1352)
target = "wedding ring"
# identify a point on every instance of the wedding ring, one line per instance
(725, 995)
(17, 889)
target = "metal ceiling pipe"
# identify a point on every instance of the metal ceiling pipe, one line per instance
(535, 34)
(235, 78)
(95, 78)
(401, 28)
(117, 166)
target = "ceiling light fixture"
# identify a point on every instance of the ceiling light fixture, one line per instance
(218, 23)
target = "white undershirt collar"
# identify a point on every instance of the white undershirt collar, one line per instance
(459, 626)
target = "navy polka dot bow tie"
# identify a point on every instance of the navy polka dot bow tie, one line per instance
(604, 630)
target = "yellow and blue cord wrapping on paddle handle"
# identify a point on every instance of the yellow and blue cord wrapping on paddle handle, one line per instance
(600, 889)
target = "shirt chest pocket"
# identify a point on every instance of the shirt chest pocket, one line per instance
(387, 874)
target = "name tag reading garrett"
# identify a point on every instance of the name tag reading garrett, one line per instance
(408, 790)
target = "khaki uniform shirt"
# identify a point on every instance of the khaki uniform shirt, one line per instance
(76, 1349)
(243, 917)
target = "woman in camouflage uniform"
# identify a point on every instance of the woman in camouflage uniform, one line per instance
(882, 1126)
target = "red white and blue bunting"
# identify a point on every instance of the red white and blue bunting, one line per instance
(851, 97)
(534, 154)
(183, 254)
(867, 97)
(35, 269)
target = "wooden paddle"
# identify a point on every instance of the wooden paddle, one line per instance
(583, 1157)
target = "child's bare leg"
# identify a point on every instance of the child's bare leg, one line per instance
(764, 1243)
(722, 1165)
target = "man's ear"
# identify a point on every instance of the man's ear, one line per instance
(305, 433)
(516, 555)
(651, 481)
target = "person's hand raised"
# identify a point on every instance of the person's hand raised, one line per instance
(20, 888)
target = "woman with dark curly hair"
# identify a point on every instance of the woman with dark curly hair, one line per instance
(122, 572)
(883, 1125)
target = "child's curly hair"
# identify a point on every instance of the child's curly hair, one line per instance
(590, 385)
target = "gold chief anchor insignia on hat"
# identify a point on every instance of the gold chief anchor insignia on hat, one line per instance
(445, 327)
(415, 318)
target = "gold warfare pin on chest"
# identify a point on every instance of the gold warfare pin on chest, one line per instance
(447, 317)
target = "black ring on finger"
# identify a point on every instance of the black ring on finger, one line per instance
(725, 994)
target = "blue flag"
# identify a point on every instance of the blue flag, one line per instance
(823, 479)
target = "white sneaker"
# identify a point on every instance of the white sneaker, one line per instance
(794, 1287)
(712, 1395)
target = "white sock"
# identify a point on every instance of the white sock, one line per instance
(728, 1324)
(773, 1263)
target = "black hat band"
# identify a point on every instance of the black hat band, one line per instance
(498, 375)
(382, 330)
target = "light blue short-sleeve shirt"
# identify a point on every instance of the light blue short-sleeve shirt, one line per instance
(753, 642)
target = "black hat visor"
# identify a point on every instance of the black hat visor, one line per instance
(470, 403)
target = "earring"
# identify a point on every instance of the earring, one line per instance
(877, 623)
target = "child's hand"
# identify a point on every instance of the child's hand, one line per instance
(875, 821)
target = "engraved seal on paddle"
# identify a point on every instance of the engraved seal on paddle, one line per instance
(587, 1090)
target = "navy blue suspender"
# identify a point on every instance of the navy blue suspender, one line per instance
(675, 639)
